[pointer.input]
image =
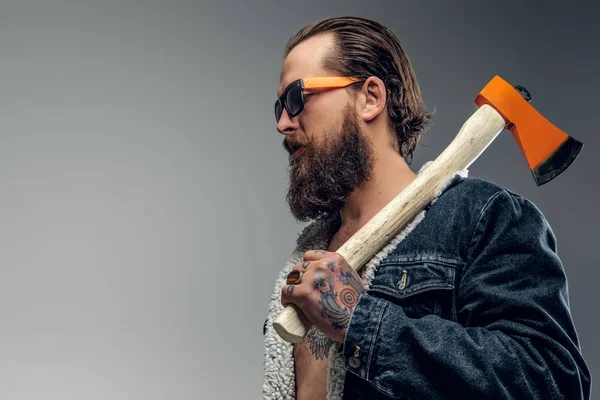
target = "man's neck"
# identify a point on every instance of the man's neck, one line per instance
(391, 175)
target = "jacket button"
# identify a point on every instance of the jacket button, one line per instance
(354, 361)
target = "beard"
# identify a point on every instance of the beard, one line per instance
(326, 174)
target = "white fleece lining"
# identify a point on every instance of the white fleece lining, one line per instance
(279, 378)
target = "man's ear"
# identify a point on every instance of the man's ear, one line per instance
(372, 99)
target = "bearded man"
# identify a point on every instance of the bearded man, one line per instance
(470, 300)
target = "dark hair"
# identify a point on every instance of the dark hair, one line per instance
(364, 48)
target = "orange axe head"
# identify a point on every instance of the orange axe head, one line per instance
(547, 149)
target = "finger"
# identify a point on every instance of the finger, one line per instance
(294, 278)
(314, 255)
(302, 266)
(289, 295)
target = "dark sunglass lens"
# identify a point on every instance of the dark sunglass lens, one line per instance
(293, 100)
(278, 110)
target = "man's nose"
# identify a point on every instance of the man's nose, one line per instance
(287, 125)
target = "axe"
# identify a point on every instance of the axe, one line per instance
(547, 149)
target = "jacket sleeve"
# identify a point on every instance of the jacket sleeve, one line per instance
(514, 336)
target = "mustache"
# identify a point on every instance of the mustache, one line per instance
(291, 145)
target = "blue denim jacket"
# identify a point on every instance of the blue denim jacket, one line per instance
(473, 303)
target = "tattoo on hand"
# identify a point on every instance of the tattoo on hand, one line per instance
(339, 312)
(319, 283)
(305, 264)
(338, 316)
(331, 265)
(290, 289)
(347, 278)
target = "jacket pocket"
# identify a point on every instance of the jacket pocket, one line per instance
(420, 288)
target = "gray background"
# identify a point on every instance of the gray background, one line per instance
(142, 181)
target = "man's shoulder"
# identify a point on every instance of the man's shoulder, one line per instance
(471, 187)
(479, 190)
(477, 195)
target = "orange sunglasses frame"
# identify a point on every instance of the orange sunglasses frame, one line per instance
(328, 82)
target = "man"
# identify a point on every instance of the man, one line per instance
(468, 301)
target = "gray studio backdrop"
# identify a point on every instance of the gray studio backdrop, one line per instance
(142, 181)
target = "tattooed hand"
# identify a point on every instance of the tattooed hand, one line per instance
(327, 294)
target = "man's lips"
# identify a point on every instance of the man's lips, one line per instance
(298, 152)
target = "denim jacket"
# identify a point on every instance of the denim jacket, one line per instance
(471, 304)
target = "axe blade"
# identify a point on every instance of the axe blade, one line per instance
(548, 150)
(557, 162)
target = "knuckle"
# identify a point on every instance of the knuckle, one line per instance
(322, 265)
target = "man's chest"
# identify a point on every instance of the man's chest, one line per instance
(311, 359)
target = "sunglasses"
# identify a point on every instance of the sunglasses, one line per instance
(292, 98)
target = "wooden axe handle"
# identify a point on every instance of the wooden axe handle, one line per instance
(473, 138)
